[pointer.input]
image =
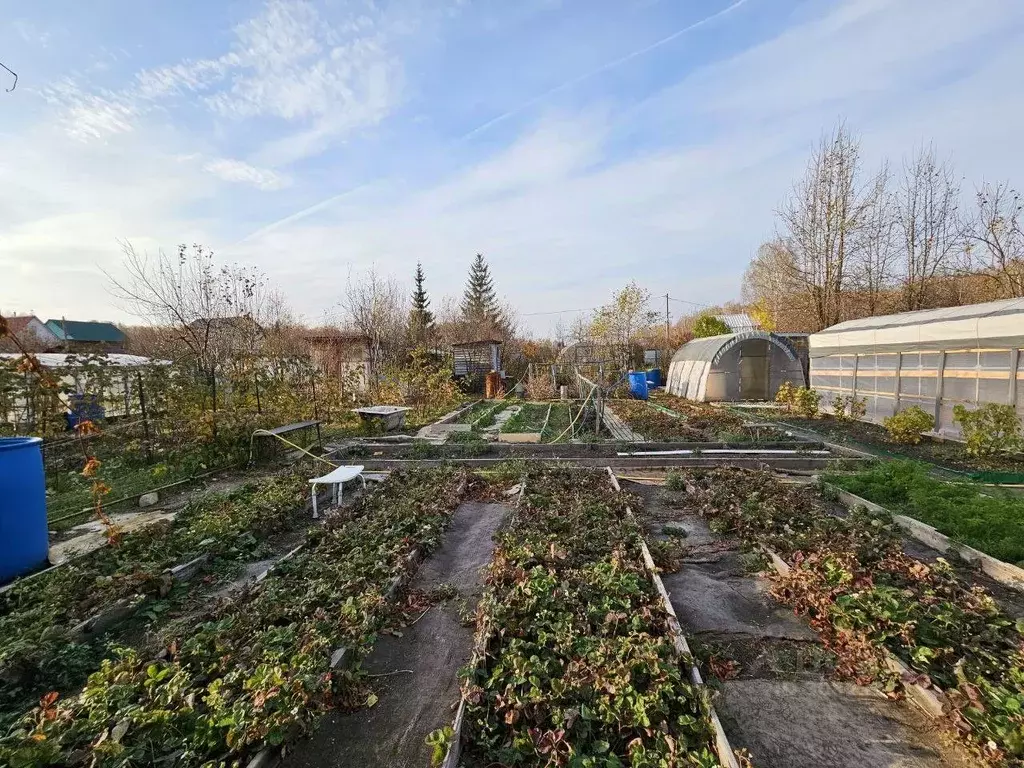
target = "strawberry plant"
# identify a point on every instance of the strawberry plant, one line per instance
(256, 671)
(39, 648)
(580, 669)
(851, 578)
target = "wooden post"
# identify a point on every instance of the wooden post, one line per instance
(316, 412)
(1014, 363)
(937, 411)
(899, 372)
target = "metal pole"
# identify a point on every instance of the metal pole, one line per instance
(667, 327)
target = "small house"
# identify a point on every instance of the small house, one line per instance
(91, 336)
(476, 358)
(343, 356)
(31, 333)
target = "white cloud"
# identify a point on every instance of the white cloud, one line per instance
(88, 116)
(565, 218)
(237, 171)
(286, 62)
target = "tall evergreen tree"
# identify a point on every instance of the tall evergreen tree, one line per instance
(421, 319)
(479, 302)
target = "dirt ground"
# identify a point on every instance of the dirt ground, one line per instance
(418, 685)
(782, 703)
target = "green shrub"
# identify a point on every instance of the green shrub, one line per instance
(807, 401)
(990, 429)
(786, 395)
(849, 408)
(906, 426)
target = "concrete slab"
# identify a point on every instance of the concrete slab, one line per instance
(90, 536)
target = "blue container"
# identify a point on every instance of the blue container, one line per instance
(654, 377)
(638, 384)
(24, 538)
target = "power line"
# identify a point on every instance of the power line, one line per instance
(591, 309)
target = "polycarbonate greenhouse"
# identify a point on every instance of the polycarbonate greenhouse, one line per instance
(934, 359)
(734, 366)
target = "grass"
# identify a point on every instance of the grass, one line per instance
(994, 525)
(561, 416)
(530, 418)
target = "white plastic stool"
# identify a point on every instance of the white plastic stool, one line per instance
(337, 477)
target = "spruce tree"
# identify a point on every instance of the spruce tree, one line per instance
(479, 302)
(421, 319)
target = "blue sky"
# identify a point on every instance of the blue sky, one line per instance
(577, 143)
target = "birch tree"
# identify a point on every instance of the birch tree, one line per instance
(928, 222)
(822, 222)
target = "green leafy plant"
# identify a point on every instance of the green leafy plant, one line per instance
(866, 597)
(906, 426)
(583, 653)
(990, 429)
(786, 396)
(849, 407)
(256, 671)
(806, 401)
(709, 325)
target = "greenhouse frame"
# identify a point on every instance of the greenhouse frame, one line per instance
(934, 359)
(734, 366)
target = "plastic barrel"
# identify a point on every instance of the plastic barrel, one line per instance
(638, 384)
(654, 377)
(24, 538)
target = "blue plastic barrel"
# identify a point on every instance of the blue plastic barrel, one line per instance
(654, 377)
(638, 384)
(24, 538)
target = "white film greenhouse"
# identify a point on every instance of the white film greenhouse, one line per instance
(734, 366)
(934, 359)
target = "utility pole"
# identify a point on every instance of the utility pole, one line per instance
(668, 348)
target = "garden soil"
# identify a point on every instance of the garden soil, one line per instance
(418, 687)
(781, 703)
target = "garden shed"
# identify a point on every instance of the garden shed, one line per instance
(735, 366)
(476, 358)
(935, 359)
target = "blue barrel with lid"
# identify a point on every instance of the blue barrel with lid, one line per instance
(638, 384)
(654, 377)
(24, 538)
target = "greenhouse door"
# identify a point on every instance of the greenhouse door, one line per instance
(755, 355)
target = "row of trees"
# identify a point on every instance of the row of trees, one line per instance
(851, 243)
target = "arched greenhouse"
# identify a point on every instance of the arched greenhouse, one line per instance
(734, 366)
(933, 358)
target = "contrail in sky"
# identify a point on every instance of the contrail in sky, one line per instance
(299, 215)
(600, 70)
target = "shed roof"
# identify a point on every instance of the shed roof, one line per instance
(1000, 322)
(739, 323)
(476, 343)
(78, 330)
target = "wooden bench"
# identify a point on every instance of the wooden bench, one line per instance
(288, 429)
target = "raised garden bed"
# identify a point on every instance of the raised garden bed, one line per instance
(258, 670)
(52, 626)
(873, 438)
(890, 618)
(526, 425)
(578, 664)
(993, 523)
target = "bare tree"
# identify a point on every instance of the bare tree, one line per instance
(996, 228)
(927, 216)
(376, 307)
(822, 222)
(876, 254)
(211, 310)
